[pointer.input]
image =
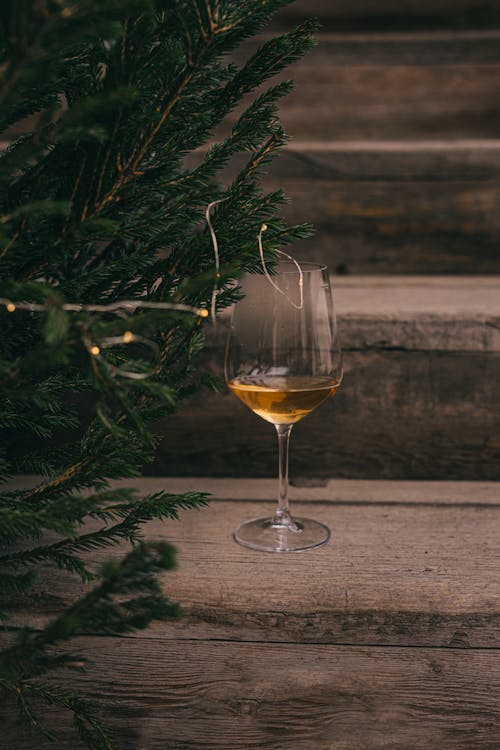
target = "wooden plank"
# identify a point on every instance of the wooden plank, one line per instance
(393, 574)
(396, 48)
(398, 415)
(432, 349)
(382, 87)
(392, 14)
(227, 696)
(429, 160)
(331, 491)
(392, 102)
(270, 653)
(358, 492)
(395, 207)
(410, 313)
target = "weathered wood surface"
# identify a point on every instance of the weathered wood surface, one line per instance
(383, 87)
(393, 14)
(395, 207)
(394, 156)
(237, 696)
(386, 638)
(397, 162)
(407, 565)
(419, 397)
(416, 415)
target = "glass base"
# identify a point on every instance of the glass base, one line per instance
(264, 535)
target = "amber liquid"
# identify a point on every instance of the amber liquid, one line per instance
(283, 399)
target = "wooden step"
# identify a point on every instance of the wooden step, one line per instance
(366, 15)
(387, 638)
(437, 85)
(419, 398)
(395, 207)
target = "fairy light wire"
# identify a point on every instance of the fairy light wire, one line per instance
(123, 306)
(127, 307)
(270, 278)
(215, 290)
(126, 338)
(215, 243)
(122, 309)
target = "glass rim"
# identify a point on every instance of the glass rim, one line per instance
(306, 266)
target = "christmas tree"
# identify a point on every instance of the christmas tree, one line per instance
(107, 279)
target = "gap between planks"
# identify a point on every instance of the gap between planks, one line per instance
(152, 637)
(334, 491)
(437, 493)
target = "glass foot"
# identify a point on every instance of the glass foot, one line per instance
(262, 534)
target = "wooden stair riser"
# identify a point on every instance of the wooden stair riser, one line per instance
(386, 86)
(395, 210)
(392, 14)
(412, 415)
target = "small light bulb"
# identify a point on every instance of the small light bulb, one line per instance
(95, 350)
(11, 307)
(128, 336)
(203, 313)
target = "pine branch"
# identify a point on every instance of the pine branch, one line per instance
(16, 584)
(64, 553)
(98, 204)
(104, 609)
(100, 610)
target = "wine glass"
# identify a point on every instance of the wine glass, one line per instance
(283, 360)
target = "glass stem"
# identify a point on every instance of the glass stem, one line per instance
(282, 515)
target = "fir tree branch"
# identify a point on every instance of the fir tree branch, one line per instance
(102, 610)
(134, 108)
(129, 170)
(99, 610)
(59, 481)
(63, 553)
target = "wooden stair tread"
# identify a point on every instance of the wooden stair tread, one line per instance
(223, 695)
(395, 207)
(385, 639)
(397, 571)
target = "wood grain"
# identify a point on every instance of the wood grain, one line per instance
(381, 87)
(393, 206)
(385, 639)
(393, 14)
(404, 209)
(393, 574)
(229, 696)
(398, 415)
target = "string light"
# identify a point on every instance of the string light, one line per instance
(110, 342)
(269, 277)
(128, 307)
(121, 308)
(125, 307)
(215, 290)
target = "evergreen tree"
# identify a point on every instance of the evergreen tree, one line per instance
(101, 230)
